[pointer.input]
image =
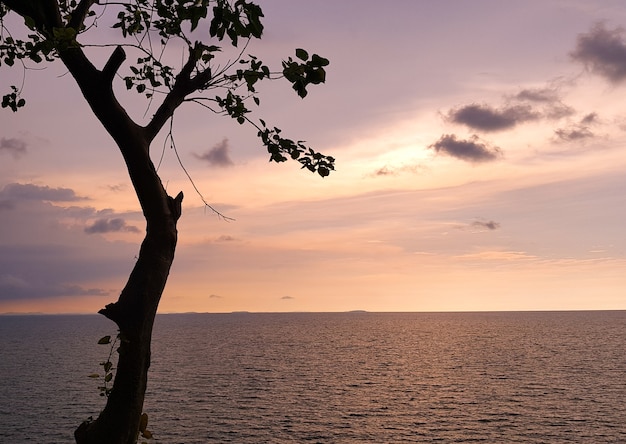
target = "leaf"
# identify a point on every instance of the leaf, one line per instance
(319, 61)
(323, 171)
(302, 54)
(105, 340)
(143, 423)
(108, 377)
(94, 375)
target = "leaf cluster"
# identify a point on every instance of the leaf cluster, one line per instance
(311, 72)
(239, 20)
(107, 366)
(12, 50)
(140, 21)
(281, 149)
(149, 74)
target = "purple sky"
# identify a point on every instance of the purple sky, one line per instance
(480, 154)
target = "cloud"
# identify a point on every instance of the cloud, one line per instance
(578, 131)
(471, 150)
(603, 52)
(226, 238)
(286, 298)
(117, 188)
(215, 296)
(18, 191)
(16, 147)
(487, 118)
(218, 156)
(589, 119)
(14, 287)
(489, 225)
(397, 170)
(553, 107)
(542, 95)
(45, 252)
(573, 133)
(110, 226)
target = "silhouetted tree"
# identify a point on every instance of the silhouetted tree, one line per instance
(54, 30)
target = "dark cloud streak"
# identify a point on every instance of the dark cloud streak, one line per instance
(471, 150)
(487, 118)
(218, 156)
(16, 147)
(575, 133)
(397, 170)
(579, 131)
(489, 225)
(541, 95)
(110, 226)
(18, 191)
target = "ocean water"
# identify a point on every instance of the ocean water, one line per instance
(531, 377)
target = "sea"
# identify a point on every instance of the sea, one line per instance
(489, 377)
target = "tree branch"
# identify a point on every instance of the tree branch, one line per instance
(80, 13)
(113, 64)
(183, 86)
(45, 13)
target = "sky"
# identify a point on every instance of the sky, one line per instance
(480, 154)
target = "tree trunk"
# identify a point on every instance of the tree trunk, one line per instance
(134, 313)
(136, 308)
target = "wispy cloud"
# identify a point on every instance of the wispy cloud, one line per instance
(117, 188)
(573, 133)
(226, 238)
(489, 224)
(110, 226)
(578, 131)
(287, 298)
(589, 119)
(471, 150)
(16, 147)
(390, 170)
(541, 95)
(218, 155)
(603, 52)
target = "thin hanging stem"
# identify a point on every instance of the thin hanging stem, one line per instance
(170, 136)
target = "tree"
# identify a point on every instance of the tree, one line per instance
(55, 30)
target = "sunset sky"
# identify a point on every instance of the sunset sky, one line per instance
(481, 159)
